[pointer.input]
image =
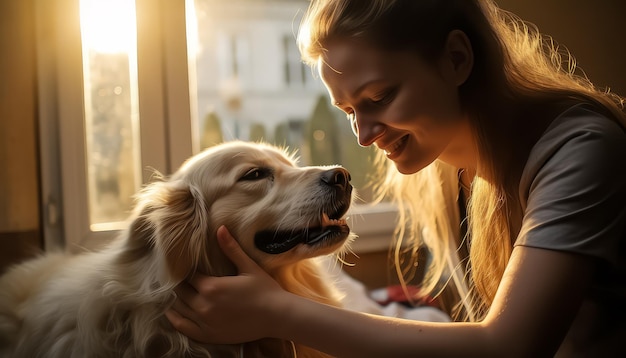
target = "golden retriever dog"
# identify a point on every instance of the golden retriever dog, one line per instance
(111, 302)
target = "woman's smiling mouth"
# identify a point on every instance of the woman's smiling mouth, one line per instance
(396, 148)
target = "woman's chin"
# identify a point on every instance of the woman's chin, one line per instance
(407, 169)
(410, 166)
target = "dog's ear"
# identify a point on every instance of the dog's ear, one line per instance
(181, 228)
(138, 243)
(172, 222)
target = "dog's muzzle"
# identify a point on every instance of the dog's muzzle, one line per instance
(332, 228)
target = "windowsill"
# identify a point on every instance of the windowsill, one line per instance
(374, 225)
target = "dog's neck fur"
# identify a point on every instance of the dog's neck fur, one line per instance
(135, 257)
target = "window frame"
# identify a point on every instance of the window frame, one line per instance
(167, 116)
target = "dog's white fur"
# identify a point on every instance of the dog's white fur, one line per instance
(110, 303)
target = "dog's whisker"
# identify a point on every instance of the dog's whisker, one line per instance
(344, 262)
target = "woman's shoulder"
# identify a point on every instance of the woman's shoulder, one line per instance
(580, 149)
(578, 132)
(573, 187)
(581, 119)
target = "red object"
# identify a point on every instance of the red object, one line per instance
(408, 295)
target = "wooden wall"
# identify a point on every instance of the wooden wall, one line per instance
(593, 30)
(20, 233)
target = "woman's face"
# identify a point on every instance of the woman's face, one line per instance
(398, 102)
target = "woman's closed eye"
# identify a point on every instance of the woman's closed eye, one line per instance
(384, 97)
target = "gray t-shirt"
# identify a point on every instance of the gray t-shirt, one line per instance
(573, 193)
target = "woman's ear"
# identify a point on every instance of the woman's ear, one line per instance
(458, 57)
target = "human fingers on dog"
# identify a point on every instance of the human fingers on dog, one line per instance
(181, 314)
(201, 314)
(234, 252)
(209, 331)
(229, 309)
(187, 297)
(186, 326)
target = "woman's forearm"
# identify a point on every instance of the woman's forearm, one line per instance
(530, 317)
(345, 333)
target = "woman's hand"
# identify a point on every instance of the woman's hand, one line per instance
(229, 309)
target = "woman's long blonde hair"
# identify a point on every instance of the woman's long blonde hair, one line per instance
(515, 68)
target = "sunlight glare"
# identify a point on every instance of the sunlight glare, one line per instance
(108, 26)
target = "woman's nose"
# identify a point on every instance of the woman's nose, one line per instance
(366, 131)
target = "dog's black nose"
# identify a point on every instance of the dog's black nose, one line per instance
(337, 176)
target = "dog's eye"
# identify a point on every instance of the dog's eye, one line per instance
(257, 174)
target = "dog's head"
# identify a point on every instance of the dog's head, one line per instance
(280, 213)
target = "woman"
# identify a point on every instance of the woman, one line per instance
(460, 94)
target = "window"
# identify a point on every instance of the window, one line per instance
(109, 52)
(295, 69)
(181, 76)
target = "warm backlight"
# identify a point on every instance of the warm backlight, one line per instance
(108, 26)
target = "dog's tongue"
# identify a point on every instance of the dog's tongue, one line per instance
(277, 241)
